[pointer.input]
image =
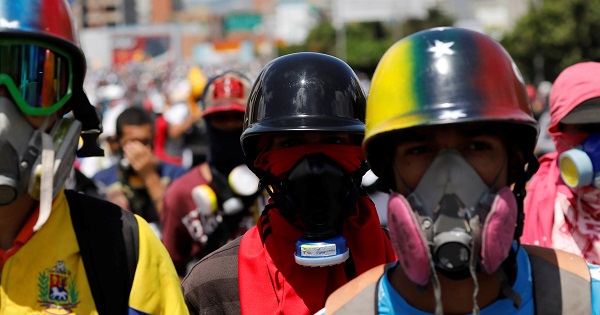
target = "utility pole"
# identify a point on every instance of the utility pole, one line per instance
(538, 59)
(339, 25)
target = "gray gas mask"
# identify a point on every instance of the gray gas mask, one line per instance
(453, 222)
(454, 197)
(18, 151)
(34, 161)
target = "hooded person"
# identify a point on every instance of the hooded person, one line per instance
(214, 202)
(303, 127)
(454, 146)
(563, 201)
(48, 263)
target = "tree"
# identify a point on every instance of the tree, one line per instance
(365, 45)
(435, 18)
(319, 39)
(366, 42)
(553, 35)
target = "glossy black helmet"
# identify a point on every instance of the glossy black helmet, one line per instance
(303, 92)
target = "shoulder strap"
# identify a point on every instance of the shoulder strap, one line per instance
(358, 296)
(108, 239)
(561, 282)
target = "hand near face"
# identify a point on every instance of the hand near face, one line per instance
(140, 157)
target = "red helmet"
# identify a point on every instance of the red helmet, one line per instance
(226, 92)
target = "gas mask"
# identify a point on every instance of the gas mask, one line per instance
(580, 166)
(318, 192)
(452, 222)
(34, 162)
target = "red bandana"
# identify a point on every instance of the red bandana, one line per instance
(270, 281)
(279, 162)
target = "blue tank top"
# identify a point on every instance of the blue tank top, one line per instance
(391, 303)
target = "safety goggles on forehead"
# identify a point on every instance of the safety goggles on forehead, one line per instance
(37, 75)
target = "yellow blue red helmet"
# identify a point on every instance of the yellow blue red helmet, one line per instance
(445, 76)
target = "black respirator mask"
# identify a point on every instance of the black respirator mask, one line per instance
(320, 194)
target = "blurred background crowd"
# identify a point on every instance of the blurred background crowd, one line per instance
(159, 55)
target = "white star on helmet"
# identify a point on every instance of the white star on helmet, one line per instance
(441, 49)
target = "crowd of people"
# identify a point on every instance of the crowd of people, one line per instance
(180, 190)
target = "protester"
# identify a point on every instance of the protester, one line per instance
(179, 120)
(139, 181)
(455, 146)
(193, 225)
(63, 252)
(302, 132)
(563, 199)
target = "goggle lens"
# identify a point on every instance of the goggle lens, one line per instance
(37, 77)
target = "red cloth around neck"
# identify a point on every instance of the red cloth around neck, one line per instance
(24, 235)
(270, 281)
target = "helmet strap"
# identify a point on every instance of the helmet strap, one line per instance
(91, 126)
(531, 167)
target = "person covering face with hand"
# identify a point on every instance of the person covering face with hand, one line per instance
(302, 132)
(450, 130)
(51, 259)
(139, 181)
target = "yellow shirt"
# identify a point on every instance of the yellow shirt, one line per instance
(47, 276)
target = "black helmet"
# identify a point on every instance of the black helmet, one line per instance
(303, 92)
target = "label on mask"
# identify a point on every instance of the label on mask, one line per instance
(318, 250)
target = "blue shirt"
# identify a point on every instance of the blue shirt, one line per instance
(139, 201)
(390, 302)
